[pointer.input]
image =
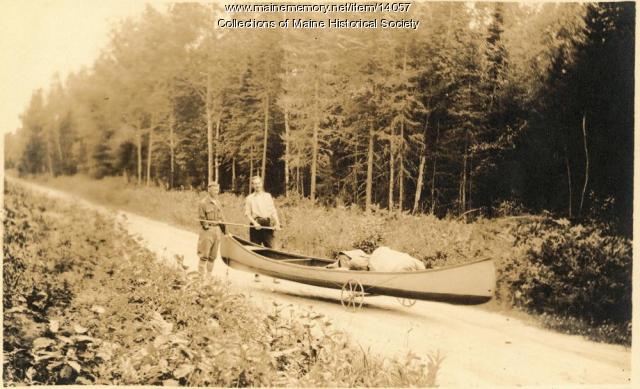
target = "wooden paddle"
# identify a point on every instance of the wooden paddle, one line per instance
(235, 224)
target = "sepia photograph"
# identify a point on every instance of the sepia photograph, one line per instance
(317, 193)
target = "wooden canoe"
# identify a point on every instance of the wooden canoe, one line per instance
(470, 283)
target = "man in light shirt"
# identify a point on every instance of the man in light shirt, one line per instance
(261, 212)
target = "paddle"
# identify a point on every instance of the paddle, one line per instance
(235, 224)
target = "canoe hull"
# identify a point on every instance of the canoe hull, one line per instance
(471, 283)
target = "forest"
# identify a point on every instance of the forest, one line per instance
(486, 109)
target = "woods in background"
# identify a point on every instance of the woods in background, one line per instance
(484, 107)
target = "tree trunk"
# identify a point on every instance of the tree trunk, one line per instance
(139, 147)
(566, 161)
(401, 169)
(286, 151)
(433, 173)
(463, 201)
(423, 157)
(470, 175)
(369, 186)
(265, 136)
(233, 174)
(217, 144)
(49, 157)
(209, 132)
(463, 183)
(423, 162)
(314, 156)
(149, 155)
(355, 173)
(299, 189)
(391, 173)
(61, 158)
(419, 184)
(586, 156)
(172, 150)
(250, 168)
(401, 150)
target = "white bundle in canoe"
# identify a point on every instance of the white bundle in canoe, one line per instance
(383, 259)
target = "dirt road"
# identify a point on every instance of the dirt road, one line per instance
(481, 348)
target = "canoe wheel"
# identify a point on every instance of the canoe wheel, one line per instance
(407, 302)
(352, 296)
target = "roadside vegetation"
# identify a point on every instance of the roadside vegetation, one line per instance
(84, 303)
(573, 278)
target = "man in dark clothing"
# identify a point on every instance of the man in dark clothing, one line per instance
(210, 214)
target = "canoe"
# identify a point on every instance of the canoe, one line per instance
(469, 283)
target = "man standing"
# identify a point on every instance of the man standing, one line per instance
(261, 212)
(209, 213)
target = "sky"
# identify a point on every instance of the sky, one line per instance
(39, 38)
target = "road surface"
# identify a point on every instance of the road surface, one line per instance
(481, 348)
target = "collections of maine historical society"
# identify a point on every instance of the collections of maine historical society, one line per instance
(238, 21)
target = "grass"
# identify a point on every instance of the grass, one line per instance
(308, 228)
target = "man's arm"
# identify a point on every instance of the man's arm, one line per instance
(202, 215)
(222, 218)
(247, 213)
(222, 226)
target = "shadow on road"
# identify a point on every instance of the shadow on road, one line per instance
(367, 305)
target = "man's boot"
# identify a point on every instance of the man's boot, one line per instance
(202, 265)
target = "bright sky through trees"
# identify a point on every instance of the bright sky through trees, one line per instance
(41, 37)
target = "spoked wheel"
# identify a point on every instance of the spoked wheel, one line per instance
(405, 302)
(352, 296)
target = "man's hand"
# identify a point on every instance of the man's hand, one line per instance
(256, 225)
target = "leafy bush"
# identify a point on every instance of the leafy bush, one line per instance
(509, 208)
(41, 268)
(574, 271)
(84, 303)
